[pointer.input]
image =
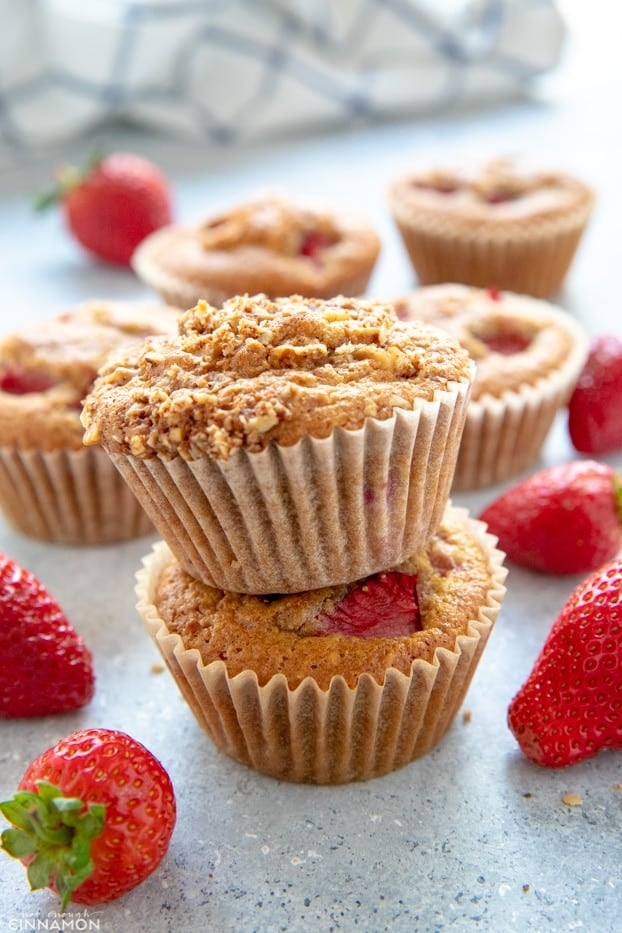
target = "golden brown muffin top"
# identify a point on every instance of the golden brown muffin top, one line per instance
(514, 340)
(269, 244)
(498, 192)
(46, 369)
(258, 370)
(452, 578)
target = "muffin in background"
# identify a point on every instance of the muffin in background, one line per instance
(341, 684)
(51, 486)
(496, 226)
(528, 355)
(270, 244)
(280, 446)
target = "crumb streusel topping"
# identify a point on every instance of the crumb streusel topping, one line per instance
(258, 370)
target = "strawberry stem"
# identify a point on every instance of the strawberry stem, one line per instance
(57, 831)
(68, 177)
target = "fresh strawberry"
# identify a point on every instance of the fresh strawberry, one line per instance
(384, 606)
(595, 410)
(45, 667)
(570, 706)
(113, 204)
(564, 519)
(93, 816)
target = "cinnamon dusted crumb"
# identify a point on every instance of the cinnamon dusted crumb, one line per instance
(258, 370)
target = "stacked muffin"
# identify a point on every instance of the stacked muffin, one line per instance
(320, 604)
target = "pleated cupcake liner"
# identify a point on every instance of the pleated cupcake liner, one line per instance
(70, 497)
(320, 512)
(532, 259)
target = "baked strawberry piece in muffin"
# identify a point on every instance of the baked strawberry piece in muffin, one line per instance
(270, 245)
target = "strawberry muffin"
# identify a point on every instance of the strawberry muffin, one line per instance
(268, 245)
(51, 486)
(528, 355)
(340, 684)
(281, 445)
(499, 225)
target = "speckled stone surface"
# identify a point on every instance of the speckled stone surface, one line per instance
(472, 837)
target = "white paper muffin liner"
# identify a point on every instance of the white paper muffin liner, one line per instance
(329, 736)
(320, 512)
(72, 497)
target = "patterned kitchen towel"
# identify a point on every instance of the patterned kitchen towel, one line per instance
(232, 70)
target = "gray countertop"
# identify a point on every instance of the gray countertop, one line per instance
(473, 836)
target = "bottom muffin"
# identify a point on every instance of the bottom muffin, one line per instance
(333, 685)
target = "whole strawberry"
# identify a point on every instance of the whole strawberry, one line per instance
(595, 409)
(113, 204)
(562, 520)
(45, 667)
(93, 816)
(570, 706)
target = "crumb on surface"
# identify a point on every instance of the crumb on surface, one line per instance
(572, 800)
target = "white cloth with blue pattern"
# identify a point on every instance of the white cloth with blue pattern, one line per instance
(231, 70)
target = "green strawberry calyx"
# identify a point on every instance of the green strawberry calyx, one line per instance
(68, 177)
(52, 835)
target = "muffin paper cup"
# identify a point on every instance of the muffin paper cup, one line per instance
(325, 736)
(533, 260)
(73, 497)
(504, 436)
(320, 512)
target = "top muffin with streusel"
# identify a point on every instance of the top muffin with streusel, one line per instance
(259, 370)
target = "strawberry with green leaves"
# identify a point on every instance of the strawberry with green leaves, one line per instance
(570, 706)
(93, 817)
(45, 666)
(112, 204)
(595, 406)
(565, 519)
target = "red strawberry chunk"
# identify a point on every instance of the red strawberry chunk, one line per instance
(313, 243)
(383, 606)
(24, 381)
(506, 343)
